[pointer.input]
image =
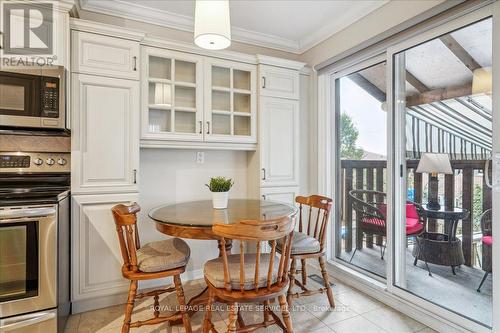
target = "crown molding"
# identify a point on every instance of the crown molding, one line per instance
(141, 13)
(138, 12)
(326, 31)
(101, 28)
(279, 62)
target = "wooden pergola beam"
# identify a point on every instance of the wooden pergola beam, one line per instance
(369, 87)
(439, 95)
(415, 83)
(457, 49)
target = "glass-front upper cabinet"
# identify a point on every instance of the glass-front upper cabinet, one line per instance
(230, 102)
(172, 95)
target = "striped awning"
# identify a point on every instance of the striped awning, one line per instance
(460, 127)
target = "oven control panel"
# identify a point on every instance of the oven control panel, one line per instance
(15, 162)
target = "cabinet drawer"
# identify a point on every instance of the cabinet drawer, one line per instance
(280, 194)
(279, 82)
(103, 55)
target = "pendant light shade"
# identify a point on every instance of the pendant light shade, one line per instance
(212, 25)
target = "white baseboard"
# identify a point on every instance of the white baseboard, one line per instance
(100, 302)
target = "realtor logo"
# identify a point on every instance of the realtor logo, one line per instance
(27, 27)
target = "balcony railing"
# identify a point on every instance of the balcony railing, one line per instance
(371, 175)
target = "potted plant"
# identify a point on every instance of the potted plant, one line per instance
(220, 186)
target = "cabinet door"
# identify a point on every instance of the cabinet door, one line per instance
(280, 194)
(230, 102)
(105, 142)
(104, 55)
(172, 95)
(96, 258)
(279, 142)
(279, 82)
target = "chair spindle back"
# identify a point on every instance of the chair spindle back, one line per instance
(128, 234)
(318, 212)
(250, 231)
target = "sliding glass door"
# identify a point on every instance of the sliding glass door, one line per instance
(442, 229)
(413, 135)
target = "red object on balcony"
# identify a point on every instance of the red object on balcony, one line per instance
(488, 240)
(413, 224)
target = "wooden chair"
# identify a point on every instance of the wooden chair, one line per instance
(309, 242)
(152, 261)
(250, 277)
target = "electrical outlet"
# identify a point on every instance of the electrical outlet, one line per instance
(200, 157)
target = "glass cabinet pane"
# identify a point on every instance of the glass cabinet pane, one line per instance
(159, 120)
(185, 122)
(159, 68)
(185, 97)
(242, 125)
(241, 79)
(221, 100)
(185, 71)
(241, 102)
(160, 94)
(220, 77)
(221, 124)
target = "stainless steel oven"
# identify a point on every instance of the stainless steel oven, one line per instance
(33, 97)
(28, 256)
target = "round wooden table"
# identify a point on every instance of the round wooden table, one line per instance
(194, 220)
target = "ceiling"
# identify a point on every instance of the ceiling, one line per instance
(288, 25)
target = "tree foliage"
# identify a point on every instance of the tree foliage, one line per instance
(348, 137)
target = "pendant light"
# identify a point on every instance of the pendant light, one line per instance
(212, 25)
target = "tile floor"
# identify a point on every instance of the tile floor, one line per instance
(354, 312)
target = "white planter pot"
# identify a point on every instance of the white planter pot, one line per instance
(219, 199)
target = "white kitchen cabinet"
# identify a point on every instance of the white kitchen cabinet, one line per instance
(104, 55)
(96, 260)
(280, 194)
(172, 95)
(279, 142)
(230, 102)
(105, 140)
(279, 82)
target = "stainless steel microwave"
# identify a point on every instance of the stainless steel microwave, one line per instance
(33, 97)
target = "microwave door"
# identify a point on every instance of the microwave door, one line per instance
(19, 99)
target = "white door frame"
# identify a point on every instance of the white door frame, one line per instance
(328, 170)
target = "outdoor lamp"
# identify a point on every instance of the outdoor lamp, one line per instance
(434, 164)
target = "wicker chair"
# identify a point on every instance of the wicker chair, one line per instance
(371, 210)
(487, 245)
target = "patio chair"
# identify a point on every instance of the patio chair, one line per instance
(487, 244)
(371, 210)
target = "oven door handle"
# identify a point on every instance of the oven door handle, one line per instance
(25, 213)
(11, 324)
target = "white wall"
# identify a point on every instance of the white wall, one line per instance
(171, 176)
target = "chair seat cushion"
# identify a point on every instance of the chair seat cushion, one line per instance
(413, 226)
(488, 240)
(214, 271)
(163, 255)
(301, 243)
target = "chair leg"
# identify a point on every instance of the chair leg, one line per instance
(285, 313)
(182, 303)
(326, 281)
(207, 321)
(303, 271)
(482, 281)
(233, 318)
(129, 306)
(293, 269)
